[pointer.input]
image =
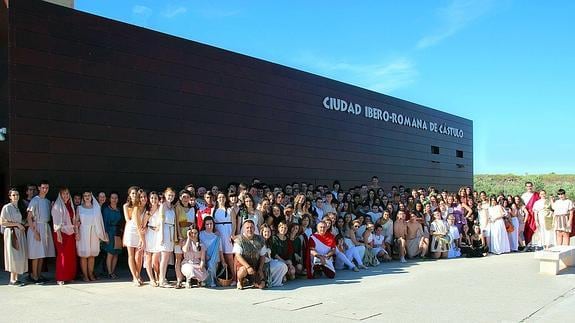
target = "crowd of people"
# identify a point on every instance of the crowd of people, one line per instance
(264, 235)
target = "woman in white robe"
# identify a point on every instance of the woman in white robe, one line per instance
(499, 240)
(15, 248)
(90, 233)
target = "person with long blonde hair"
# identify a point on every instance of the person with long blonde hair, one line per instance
(133, 235)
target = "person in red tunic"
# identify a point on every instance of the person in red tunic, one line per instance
(65, 233)
(321, 251)
(529, 198)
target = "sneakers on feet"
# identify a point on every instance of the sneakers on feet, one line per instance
(402, 259)
(355, 269)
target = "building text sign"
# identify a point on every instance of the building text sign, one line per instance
(351, 108)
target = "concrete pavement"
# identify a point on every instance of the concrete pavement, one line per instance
(506, 288)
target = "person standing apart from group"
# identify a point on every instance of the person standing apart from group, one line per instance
(15, 246)
(562, 218)
(39, 237)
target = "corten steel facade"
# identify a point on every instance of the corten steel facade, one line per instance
(95, 103)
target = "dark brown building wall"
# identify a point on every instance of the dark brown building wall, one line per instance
(4, 99)
(104, 105)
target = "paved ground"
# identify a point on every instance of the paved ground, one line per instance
(505, 288)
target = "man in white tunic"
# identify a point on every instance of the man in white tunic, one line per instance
(39, 236)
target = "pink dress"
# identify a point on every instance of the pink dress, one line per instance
(191, 263)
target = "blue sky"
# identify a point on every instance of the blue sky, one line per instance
(507, 65)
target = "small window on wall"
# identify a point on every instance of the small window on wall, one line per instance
(435, 150)
(459, 153)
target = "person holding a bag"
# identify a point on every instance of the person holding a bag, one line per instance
(113, 218)
(15, 248)
(65, 231)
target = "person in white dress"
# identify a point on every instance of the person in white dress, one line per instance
(15, 247)
(153, 253)
(499, 240)
(167, 236)
(454, 250)
(39, 235)
(562, 218)
(133, 238)
(91, 231)
(225, 225)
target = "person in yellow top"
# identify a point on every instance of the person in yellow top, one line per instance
(185, 220)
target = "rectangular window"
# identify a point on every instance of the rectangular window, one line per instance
(459, 153)
(435, 150)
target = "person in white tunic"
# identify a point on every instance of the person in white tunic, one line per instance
(152, 243)
(454, 250)
(499, 240)
(562, 218)
(225, 224)
(167, 236)
(39, 238)
(90, 232)
(15, 247)
(322, 245)
(544, 217)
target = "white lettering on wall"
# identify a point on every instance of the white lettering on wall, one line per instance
(349, 107)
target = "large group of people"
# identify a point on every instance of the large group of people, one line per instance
(263, 235)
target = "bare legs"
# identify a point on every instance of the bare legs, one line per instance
(135, 263)
(164, 259)
(562, 238)
(153, 267)
(37, 268)
(402, 248)
(229, 257)
(178, 266)
(111, 262)
(87, 266)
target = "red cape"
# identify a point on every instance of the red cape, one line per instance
(530, 226)
(327, 239)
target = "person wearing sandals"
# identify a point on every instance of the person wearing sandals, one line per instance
(15, 247)
(65, 229)
(39, 235)
(167, 235)
(193, 264)
(153, 253)
(91, 232)
(250, 253)
(113, 220)
(133, 208)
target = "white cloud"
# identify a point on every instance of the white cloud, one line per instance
(453, 18)
(386, 76)
(172, 11)
(140, 10)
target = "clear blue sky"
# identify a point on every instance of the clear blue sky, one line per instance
(507, 65)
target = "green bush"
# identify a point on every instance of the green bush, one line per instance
(515, 184)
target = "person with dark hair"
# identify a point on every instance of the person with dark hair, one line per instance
(214, 253)
(133, 237)
(563, 218)
(65, 230)
(275, 270)
(250, 251)
(499, 240)
(193, 264)
(15, 246)
(225, 224)
(39, 237)
(153, 252)
(91, 232)
(102, 198)
(208, 209)
(529, 198)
